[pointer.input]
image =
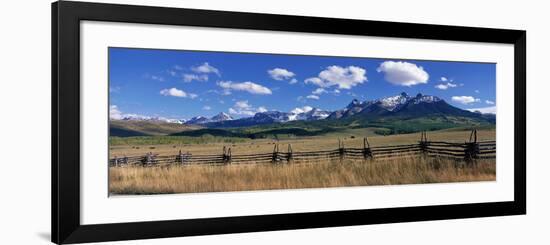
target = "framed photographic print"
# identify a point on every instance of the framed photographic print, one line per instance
(177, 122)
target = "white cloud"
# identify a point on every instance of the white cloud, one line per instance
(157, 78)
(447, 83)
(191, 77)
(441, 86)
(477, 91)
(319, 91)
(250, 87)
(343, 77)
(489, 102)
(177, 93)
(485, 110)
(280, 74)
(464, 99)
(173, 92)
(336, 91)
(403, 73)
(244, 109)
(206, 108)
(243, 104)
(316, 81)
(206, 68)
(293, 81)
(313, 97)
(445, 86)
(303, 109)
(115, 113)
(235, 112)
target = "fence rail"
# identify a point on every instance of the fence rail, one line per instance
(467, 151)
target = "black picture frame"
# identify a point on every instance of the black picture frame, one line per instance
(66, 18)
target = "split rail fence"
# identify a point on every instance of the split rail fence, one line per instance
(467, 151)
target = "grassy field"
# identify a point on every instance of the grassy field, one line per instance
(170, 145)
(187, 179)
(192, 179)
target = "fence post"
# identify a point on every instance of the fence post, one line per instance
(275, 152)
(341, 150)
(181, 158)
(225, 158)
(471, 150)
(367, 153)
(424, 143)
(149, 159)
(473, 135)
(289, 154)
(146, 159)
(229, 155)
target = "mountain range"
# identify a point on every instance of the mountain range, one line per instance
(269, 117)
(401, 113)
(400, 106)
(141, 118)
(222, 116)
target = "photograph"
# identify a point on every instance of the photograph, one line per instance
(195, 121)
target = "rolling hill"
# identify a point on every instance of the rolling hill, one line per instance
(127, 128)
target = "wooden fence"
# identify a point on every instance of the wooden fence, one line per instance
(467, 151)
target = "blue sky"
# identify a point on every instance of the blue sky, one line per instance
(184, 84)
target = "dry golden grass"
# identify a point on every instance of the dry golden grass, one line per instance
(191, 179)
(314, 143)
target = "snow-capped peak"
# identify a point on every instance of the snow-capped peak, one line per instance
(353, 103)
(135, 117)
(222, 116)
(303, 109)
(393, 102)
(425, 98)
(198, 120)
(316, 114)
(307, 113)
